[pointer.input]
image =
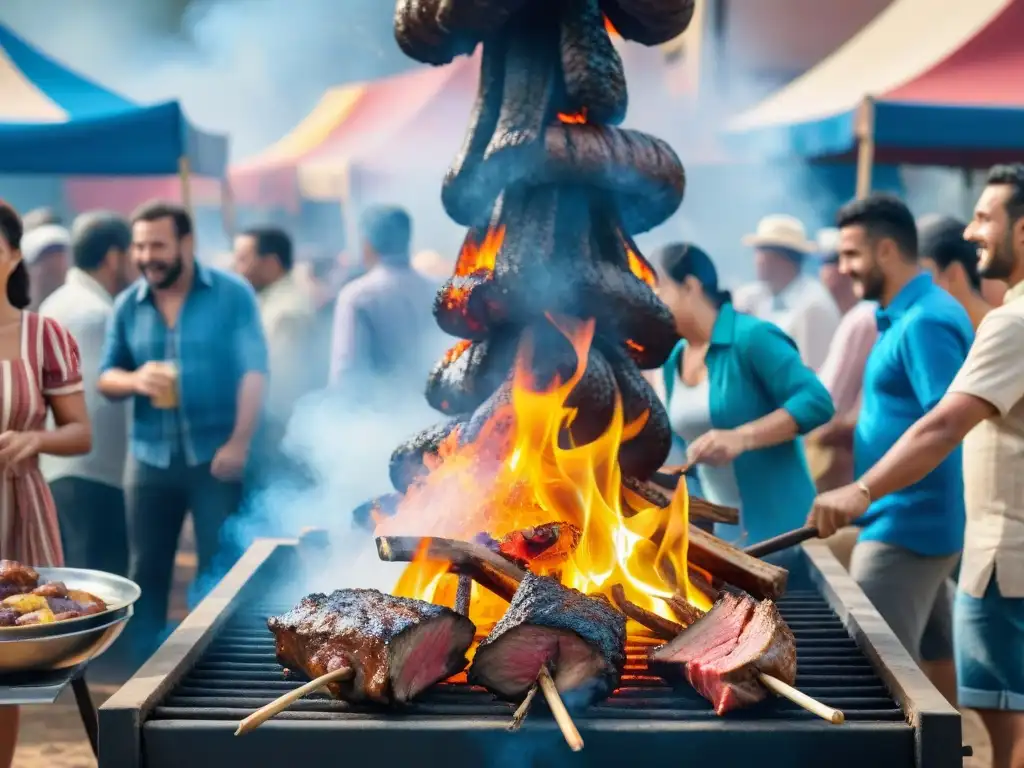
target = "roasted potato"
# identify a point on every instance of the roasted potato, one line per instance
(52, 589)
(26, 603)
(8, 617)
(44, 616)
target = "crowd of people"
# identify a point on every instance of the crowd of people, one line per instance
(141, 385)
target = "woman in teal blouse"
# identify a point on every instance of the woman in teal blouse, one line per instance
(739, 395)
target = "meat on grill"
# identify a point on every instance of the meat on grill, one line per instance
(582, 639)
(396, 647)
(723, 654)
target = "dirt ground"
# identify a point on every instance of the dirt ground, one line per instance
(52, 736)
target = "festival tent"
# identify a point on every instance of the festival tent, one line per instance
(933, 82)
(55, 121)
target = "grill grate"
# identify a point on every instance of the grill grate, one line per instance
(238, 673)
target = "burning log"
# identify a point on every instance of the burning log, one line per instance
(661, 627)
(487, 568)
(700, 509)
(545, 545)
(733, 566)
(685, 611)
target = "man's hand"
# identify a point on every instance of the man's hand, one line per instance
(837, 509)
(229, 462)
(717, 447)
(16, 447)
(153, 379)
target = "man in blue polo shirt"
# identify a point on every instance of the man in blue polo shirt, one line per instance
(910, 540)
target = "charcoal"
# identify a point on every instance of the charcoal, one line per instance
(396, 647)
(582, 639)
(469, 373)
(649, 22)
(407, 460)
(421, 36)
(595, 83)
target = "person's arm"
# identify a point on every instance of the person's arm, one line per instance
(802, 402)
(117, 366)
(65, 394)
(252, 361)
(989, 384)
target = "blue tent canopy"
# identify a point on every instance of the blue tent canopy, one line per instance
(954, 97)
(54, 121)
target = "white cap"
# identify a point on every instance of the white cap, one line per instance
(36, 242)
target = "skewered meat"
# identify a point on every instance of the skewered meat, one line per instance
(583, 640)
(546, 545)
(724, 652)
(396, 647)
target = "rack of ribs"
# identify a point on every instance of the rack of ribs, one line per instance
(396, 647)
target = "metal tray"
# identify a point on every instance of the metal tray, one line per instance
(117, 592)
(59, 651)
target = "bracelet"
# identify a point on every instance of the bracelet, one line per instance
(863, 487)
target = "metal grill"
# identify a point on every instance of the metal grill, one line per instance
(183, 707)
(238, 674)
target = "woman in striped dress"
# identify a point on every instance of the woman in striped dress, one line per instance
(39, 372)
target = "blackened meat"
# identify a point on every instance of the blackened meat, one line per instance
(581, 639)
(396, 647)
(724, 652)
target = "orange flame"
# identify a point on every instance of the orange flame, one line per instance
(610, 28)
(640, 268)
(517, 474)
(574, 118)
(480, 257)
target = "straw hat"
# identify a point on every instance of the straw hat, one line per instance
(781, 231)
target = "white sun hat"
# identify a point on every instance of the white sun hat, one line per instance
(781, 231)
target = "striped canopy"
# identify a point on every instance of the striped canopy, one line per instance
(931, 81)
(55, 121)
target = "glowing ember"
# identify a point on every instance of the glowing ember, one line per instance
(456, 350)
(575, 118)
(610, 28)
(516, 475)
(640, 268)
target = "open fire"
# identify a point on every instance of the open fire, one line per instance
(521, 472)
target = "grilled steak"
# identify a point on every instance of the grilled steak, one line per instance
(582, 639)
(396, 647)
(723, 653)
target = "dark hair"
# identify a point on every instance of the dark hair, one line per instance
(941, 239)
(1011, 175)
(155, 210)
(273, 241)
(882, 216)
(17, 281)
(388, 230)
(682, 260)
(94, 235)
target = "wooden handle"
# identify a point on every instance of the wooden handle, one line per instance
(781, 542)
(282, 703)
(815, 707)
(565, 723)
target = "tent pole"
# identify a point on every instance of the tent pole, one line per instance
(865, 146)
(184, 175)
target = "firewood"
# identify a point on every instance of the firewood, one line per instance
(683, 610)
(724, 561)
(661, 627)
(487, 568)
(700, 509)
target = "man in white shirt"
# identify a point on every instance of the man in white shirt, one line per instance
(783, 295)
(88, 490)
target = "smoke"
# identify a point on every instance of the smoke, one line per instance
(249, 68)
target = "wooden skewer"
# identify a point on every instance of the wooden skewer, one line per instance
(282, 703)
(565, 723)
(813, 706)
(520, 714)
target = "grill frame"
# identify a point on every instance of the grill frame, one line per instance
(129, 728)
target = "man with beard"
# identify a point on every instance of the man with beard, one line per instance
(88, 490)
(984, 408)
(910, 540)
(186, 343)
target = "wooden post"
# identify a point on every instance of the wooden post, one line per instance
(185, 176)
(865, 128)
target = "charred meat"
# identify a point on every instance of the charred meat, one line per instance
(725, 652)
(395, 647)
(582, 640)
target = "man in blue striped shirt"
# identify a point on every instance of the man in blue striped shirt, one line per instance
(189, 337)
